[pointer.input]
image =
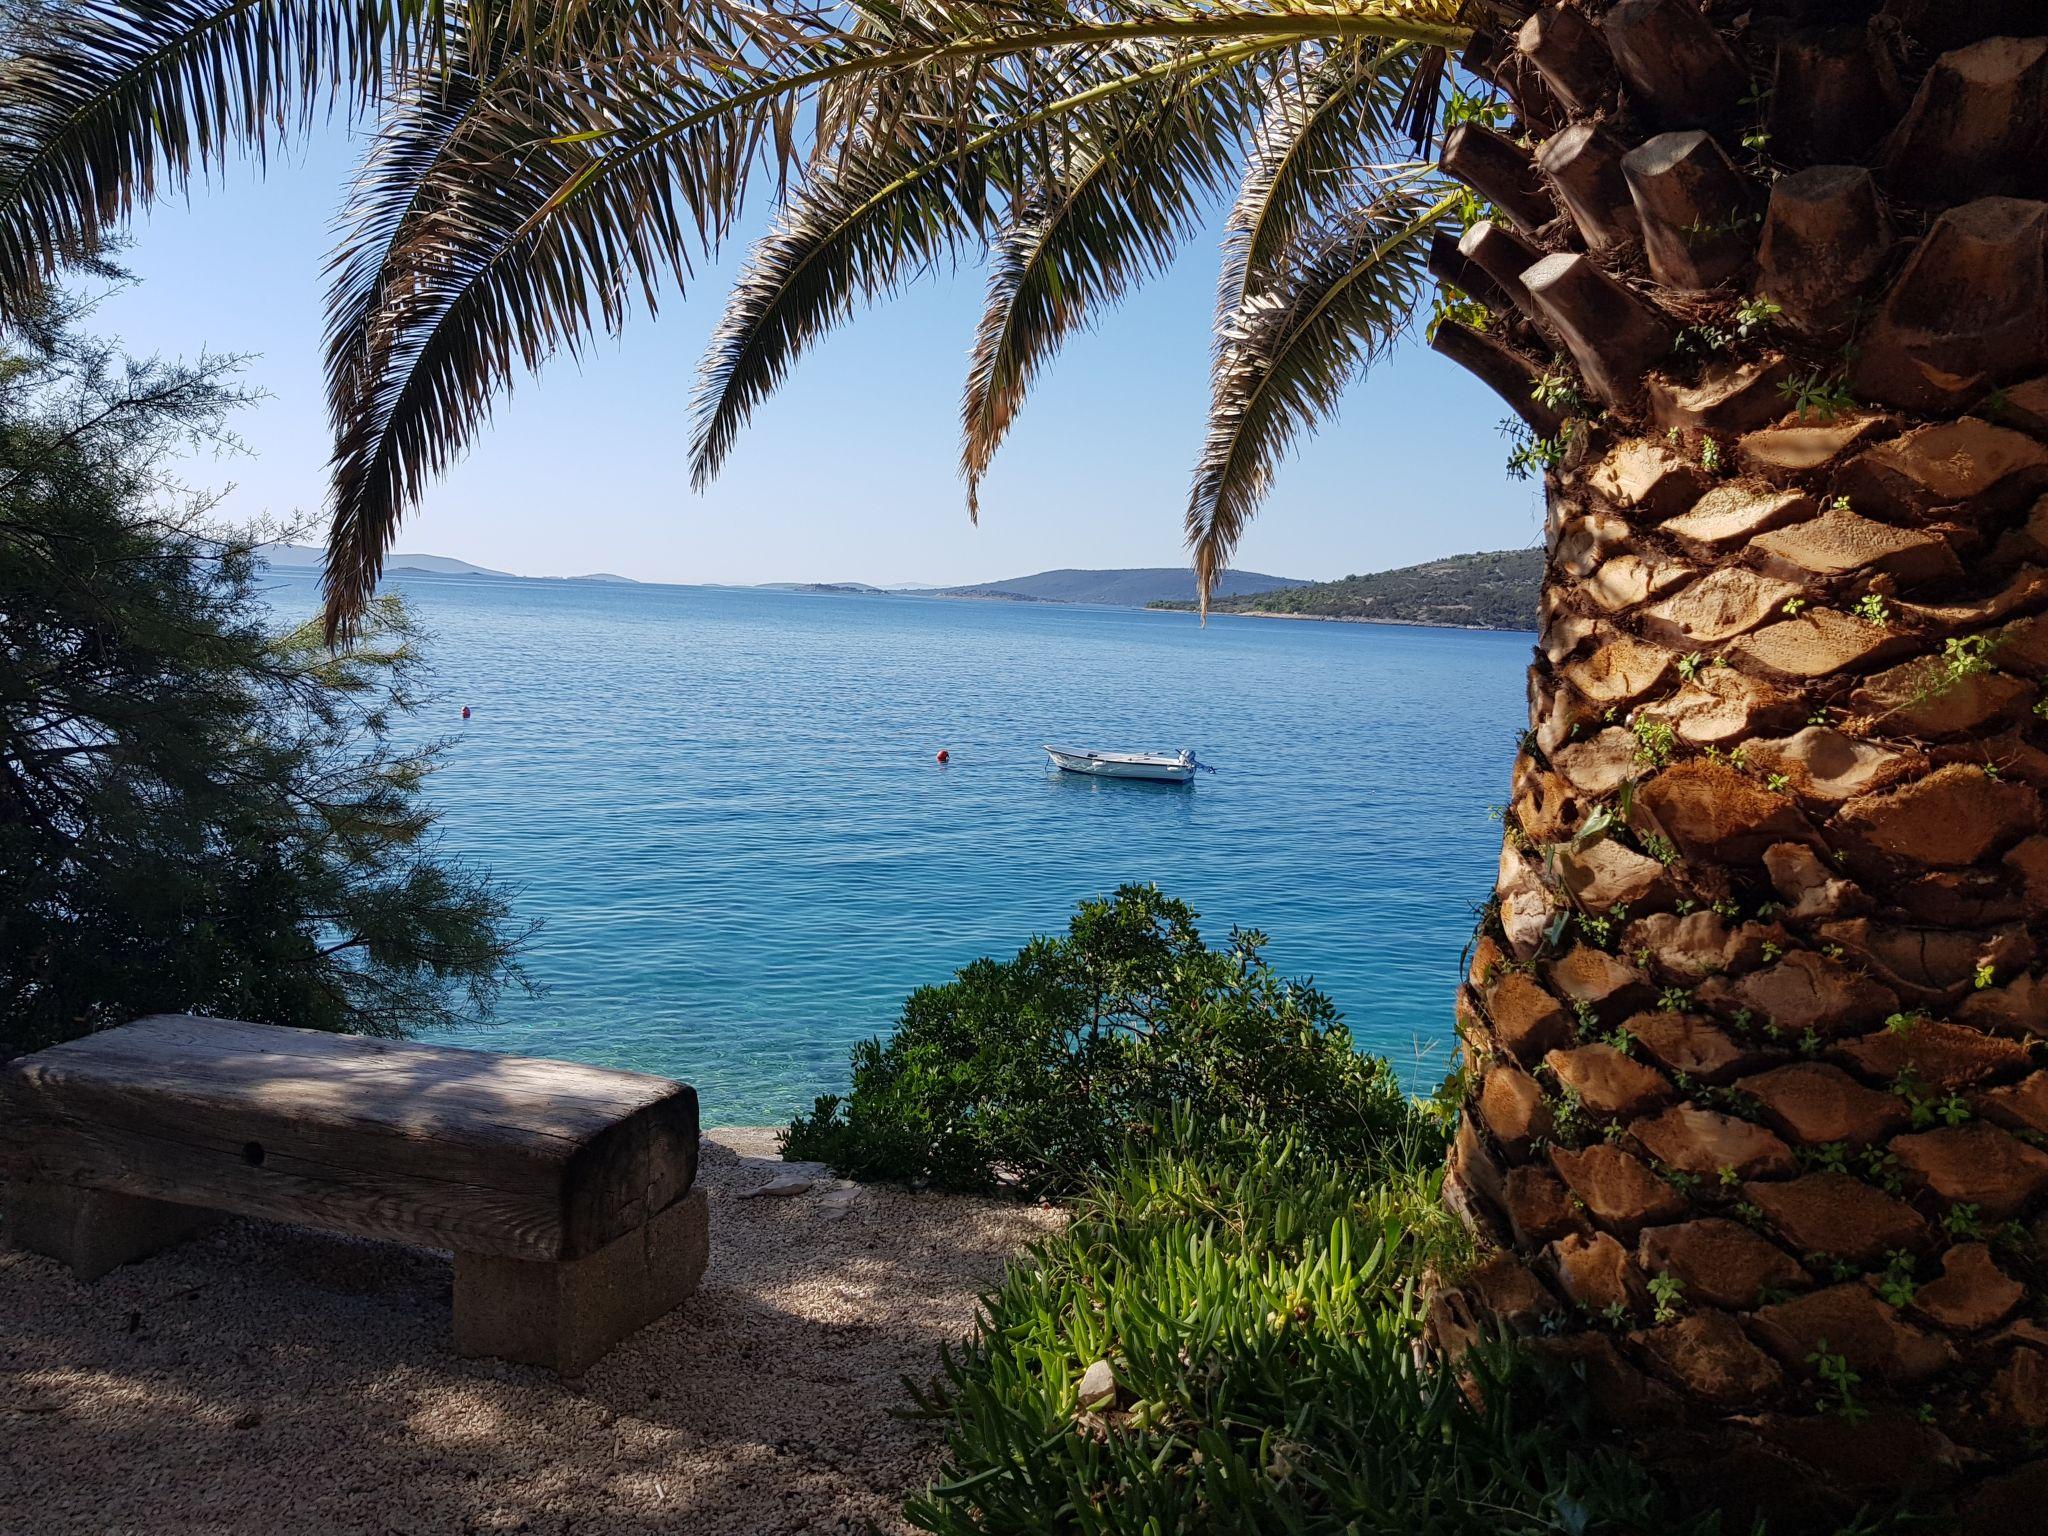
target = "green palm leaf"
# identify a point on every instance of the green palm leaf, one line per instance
(862, 224)
(1316, 139)
(1343, 296)
(399, 193)
(528, 241)
(625, 179)
(920, 183)
(106, 103)
(1125, 203)
(448, 133)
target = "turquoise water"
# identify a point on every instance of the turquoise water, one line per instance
(725, 809)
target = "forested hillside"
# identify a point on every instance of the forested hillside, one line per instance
(1487, 591)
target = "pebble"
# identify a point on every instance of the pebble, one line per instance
(835, 1202)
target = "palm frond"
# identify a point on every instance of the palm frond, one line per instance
(443, 134)
(106, 103)
(604, 180)
(398, 193)
(860, 226)
(526, 241)
(1342, 298)
(1318, 138)
(915, 189)
(1117, 211)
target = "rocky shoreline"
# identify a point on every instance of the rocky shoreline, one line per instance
(1348, 618)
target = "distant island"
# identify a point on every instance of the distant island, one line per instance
(1144, 587)
(1497, 590)
(830, 588)
(305, 557)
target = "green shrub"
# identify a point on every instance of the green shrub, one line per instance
(1257, 1305)
(1036, 1070)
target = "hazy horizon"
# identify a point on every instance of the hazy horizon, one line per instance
(398, 557)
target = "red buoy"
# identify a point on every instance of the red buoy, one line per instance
(945, 756)
(465, 711)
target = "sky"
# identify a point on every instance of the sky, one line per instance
(849, 473)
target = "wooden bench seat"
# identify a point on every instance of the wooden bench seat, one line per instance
(565, 1192)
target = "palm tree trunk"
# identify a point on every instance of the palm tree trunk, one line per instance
(1754, 1032)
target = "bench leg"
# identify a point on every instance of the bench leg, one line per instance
(95, 1230)
(567, 1315)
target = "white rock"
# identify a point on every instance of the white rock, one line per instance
(836, 1201)
(1098, 1386)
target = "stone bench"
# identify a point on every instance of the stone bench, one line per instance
(565, 1192)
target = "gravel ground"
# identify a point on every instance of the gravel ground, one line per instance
(269, 1379)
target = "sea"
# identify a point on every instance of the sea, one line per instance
(726, 810)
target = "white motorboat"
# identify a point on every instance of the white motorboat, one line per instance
(1160, 767)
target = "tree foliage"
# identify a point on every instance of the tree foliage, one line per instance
(197, 811)
(1037, 1070)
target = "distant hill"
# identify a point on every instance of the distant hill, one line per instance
(304, 557)
(1139, 588)
(1490, 591)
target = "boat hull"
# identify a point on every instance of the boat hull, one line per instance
(1104, 766)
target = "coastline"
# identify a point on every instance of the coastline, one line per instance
(1342, 618)
(829, 589)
